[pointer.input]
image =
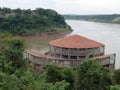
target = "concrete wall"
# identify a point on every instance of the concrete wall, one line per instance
(41, 61)
(108, 61)
(59, 52)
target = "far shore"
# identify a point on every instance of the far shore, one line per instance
(93, 21)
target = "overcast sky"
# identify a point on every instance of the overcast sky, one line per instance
(68, 6)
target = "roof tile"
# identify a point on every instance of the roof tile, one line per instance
(35, 53)
(75, 41)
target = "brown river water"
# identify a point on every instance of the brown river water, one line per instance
(106, 33)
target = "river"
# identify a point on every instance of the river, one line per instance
(106, 33)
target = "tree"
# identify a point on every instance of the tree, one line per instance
(14, 52)
(54, 73)
(5, 66)
(115, 87)
(4, 40)
(3, 79)
(5, 10)
(18, 10)
(26, 22)
(57, 74)
(117, 76)
(69, 75)
(93, 76)
(12, 83)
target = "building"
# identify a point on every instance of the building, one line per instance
(71, 50)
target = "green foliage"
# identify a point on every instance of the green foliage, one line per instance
(14, 52)
(13, 73)
(29, 81)
(25, 22)
(11, 53)
(5, 10)
(117, 76)
(12, 83)
(92, 76)
(55, 74)
(70, 76)
(4, 40)
(116, 87)
(3, 79)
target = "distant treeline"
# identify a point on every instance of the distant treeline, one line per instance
(114, 18)
(22, 22)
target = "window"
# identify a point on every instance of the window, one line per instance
(65, 56)
(73, 57)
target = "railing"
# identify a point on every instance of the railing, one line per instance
(73, 53)
(110, 59)
(79, 53)
(104, 61)
(63, 59)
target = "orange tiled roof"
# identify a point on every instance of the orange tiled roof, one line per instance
(35, 53)
(75, 41)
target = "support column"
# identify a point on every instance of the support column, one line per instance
(103, 49)
(114, 60)
(50, 50)
(54, 52)
(68, 53)
(94, 54)
(78, 54)
(87, 54)
(72, 65)
(61, 53)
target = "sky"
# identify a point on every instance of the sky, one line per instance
(82, 7)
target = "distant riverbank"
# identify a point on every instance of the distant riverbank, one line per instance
(47, 33)
(107, 18)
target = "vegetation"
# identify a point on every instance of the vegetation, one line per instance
(26, 22)
(116, 87)
(115, 18)
(55, 73)
(16, 75)
(93, 76)
(117, 77)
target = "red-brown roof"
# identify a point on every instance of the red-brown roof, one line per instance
(75, 41)
(35, 53)
(103, 56)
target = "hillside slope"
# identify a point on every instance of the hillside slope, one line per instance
(23, 22)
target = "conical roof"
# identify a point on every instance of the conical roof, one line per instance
(75, 41)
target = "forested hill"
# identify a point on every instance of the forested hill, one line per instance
(24, 22)
(107, 18)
